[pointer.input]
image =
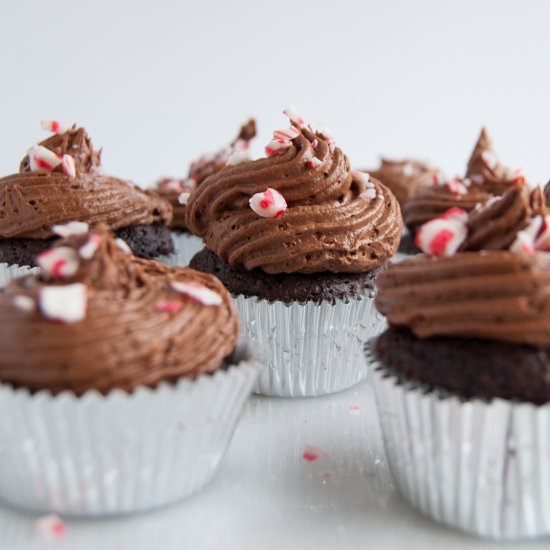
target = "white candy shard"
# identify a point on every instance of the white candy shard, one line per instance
(268, 204)
(276, 145)
(198, 292)
(42, 160)
(324, 131)
(64, 303)
(294, 116)
(87, 251)
(68, 165)
(71, 228)
(123, 245)
(24, 303)
(58, 262)
(183, 198)
(52, 126)
(237, 157)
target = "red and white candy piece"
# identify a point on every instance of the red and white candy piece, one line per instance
(183, 198)
(237, 157)
(198, 292)
(42, 160)
(443, 236)
(276, 146)
(58, 262)
(313, 162)
(294, 116)
(324, 131)
(68, 165)
(71, 228)
(457, 186)
(87, 250)
(315, 144)
(52, 126)
(543, 239)
(66, 304)
(518, 176)
(50, 526)
(269, 204)
(172, 185)
(123, 246)
(286, 135)
(169, 306)
(523, 243)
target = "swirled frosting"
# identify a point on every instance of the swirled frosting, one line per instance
(485, 178)
(333, 221)
(547, 194)
(495, 295)
(31, 202)
(170, 189)
(128, 337)
(405, 177)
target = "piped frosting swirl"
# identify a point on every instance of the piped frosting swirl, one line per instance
(335, 220)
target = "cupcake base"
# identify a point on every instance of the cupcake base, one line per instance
(478, 466)
(146, 241)
(124, 452)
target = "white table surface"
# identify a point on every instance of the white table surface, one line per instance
(267, 496)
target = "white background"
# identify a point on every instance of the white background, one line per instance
(158, 83)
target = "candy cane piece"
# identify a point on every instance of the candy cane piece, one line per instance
(268, 204)
(50, 526)
(67, 163)
(293, 115)
(87, 251)
(313, 162)
(58, 262)
(324, 131)
(276, 145)
(286, 135)
(42, 160)
(64, 303)
(237, 157)
(52, 126)
(71, 228)
(123, 246)
(444, 235)
(198, 292)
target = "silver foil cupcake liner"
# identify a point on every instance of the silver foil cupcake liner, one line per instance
(310, 348)
(186, 245)
(9, 272)
(124, 452)
(481, 467)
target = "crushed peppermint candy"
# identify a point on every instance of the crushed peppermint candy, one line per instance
(293, 115)
(237, 157)
(42, 160)
(457, 186)
(276, 146)
(268, 204)
(123, 245)
(58, 262)
(183, 198)
(24, 303)
(313, 162)
(52, 126)
(68, 165)
(517, 176)
(169, 306)
(198, 292)
(315, 144)
(311, 453)
(535, 237)
(172, 185)
(71, 228)
(66, 304)
(50, 526)
(286, 135)
(87, 251)
(370, 191)
(444, 235)
(324, 131)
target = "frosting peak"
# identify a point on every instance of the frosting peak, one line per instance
(336, 219)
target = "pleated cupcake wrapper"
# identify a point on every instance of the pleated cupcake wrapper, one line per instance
(481, 467)
(310, 348)
(121, 453)
(9, 272)
(186, 245)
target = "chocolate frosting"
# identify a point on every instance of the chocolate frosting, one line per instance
(485, 178)
(199, 170)
(495, 295)
(495, 226)
(31, 202)
(330, 223)
(124, 341)
(547, 194)
(405, 177)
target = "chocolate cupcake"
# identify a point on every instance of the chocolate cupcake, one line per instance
(485, 178)
(60, 181)
(298, 238)
(462, 376)
(120, 375)
(176, 191)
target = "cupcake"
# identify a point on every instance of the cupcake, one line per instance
(298, 238)
(176, 191)
(60, 181)
(121, 381)
(485, 178)
(462, 375)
